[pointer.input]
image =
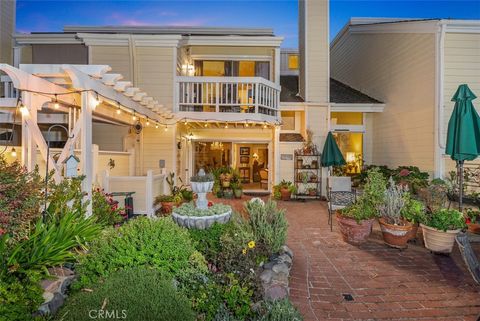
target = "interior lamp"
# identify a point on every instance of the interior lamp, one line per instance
(56, 105)
(13, 152)
(350, 157)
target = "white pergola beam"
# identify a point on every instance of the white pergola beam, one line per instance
(122, 85)
(111, 79)
(86, 144)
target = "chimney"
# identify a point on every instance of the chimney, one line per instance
(7, 28)
(313, 28)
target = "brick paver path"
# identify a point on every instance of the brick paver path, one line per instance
(385, 283)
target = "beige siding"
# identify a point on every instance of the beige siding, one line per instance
(287, 168)
(7, 26)
(158, 144)
(117, 57)
(301, 46)
(314, 50)
(462, 66)
(26, 56)
(109, 137)
(154, 73)
(398, 69)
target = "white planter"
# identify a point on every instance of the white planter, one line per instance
(201, 187)
(437, 240)
(200, 222)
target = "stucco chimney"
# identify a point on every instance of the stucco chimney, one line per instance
(313, 19)
(7, 28)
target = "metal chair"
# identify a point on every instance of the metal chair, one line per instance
(469, 256)
(339, 195)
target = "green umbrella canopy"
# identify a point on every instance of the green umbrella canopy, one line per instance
(331, 155)
(463, 136)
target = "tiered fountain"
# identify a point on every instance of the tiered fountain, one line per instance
(200, 215)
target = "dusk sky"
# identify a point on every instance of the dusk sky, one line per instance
(281, 15)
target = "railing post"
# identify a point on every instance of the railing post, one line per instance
(217, 97)
(95, 152)
(131, 162)
(106, 181)
(257, 96)
(149, 193)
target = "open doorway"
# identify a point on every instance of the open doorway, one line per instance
(252, 162)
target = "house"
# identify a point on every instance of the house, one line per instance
(415, 67)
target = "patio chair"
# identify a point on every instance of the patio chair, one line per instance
(339, 195)
(468, 255)
(263, 177)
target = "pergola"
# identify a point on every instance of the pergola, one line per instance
(84, 92)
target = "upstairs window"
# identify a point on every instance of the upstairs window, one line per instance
(243, 68)
(293, 61)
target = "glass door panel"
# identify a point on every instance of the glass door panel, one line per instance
(351, 146)
(210, 155)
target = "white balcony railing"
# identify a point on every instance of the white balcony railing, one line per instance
(228, 95)
(6, 85)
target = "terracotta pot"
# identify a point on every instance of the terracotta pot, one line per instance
(413, 232)
(353, 232)
(312, 193)
(474, 228)
(167, 207)
(285, 194)
(437, 240)
(395, 236)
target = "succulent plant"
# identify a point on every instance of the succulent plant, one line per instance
(189, 209)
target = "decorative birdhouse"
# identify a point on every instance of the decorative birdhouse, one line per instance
(71, 165)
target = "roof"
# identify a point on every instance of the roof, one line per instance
(291, 138)
(343, 94)
(289, 91)
(339, 92)
(172, 30)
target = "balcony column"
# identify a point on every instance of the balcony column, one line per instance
(276, 154)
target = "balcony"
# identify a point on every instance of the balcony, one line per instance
(227, 98)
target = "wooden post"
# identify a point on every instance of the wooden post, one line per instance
(29, 148)
(86, 147)
(149, 193)
(276, 155)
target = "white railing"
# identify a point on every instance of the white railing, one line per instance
(6, 85)
(228, 95)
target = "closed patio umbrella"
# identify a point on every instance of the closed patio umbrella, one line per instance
(331, 155)
(463, 135)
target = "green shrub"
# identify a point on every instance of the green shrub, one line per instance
(269, 224)
(160, 243)
(279, 310)
(20, 199)
(208, 241)
(19, 298)
(105, 210)
(133, 295)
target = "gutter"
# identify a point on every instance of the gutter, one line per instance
(439, 99)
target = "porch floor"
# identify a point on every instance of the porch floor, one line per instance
(385, 283)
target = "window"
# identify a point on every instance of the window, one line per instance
(351, 146)
(293, 61)
(228, 68)
(347, 118)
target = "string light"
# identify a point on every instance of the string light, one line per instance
(119, 111)
(23, 109)
(148, 122)
(246, 124)
(156, 125)
(206, 124)
(265, 125)
(166, 128)
(185, 122)
(13, 152)
(226, 125)
(96, 101)
(56, 105)
(134, 117)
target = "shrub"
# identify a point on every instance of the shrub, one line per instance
(160, 243)
(279, 310)
(19, 298)
(269, 224)
(445, 219)
(208, 242)
(20, 199)
(136, 294)
(105, 210)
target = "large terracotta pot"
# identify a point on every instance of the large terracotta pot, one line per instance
(285, 194)
(353, 232)
(167, 207)
(413, 232)
(474, 228)
(438, 241)
(395, 236)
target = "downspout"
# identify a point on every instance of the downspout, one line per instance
(440, 109)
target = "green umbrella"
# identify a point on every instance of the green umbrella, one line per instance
(463, 135)
(331, 155)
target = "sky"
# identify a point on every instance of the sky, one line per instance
(281, 15)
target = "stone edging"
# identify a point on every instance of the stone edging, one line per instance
(54, 289)
(276, 273)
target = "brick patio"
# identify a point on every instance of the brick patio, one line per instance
(385, 283)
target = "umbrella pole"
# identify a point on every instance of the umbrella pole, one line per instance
(460, 185)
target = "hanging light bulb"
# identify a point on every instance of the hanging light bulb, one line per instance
(166, 128)
(56, 105)
(96, 101)
(206, 125)
(185, 122)
(13, 153)
(119, 111)
(265, 125)
(246, 124)
(226, 125)
(156, 125)
(148, 122)
(23, 109)
(134, 117)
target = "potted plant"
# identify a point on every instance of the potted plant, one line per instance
(414, 212)
(313, 178)
(167, 202)
(284, 190)
(439, 229)
(472, 219)
(395, 229)
(312, 191)
(355, 221)
(228, 193)
(308, 145)
(237, 188)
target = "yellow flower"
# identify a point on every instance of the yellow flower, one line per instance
(251, 244)
(244, 251)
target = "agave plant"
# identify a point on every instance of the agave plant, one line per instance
(393, 203)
